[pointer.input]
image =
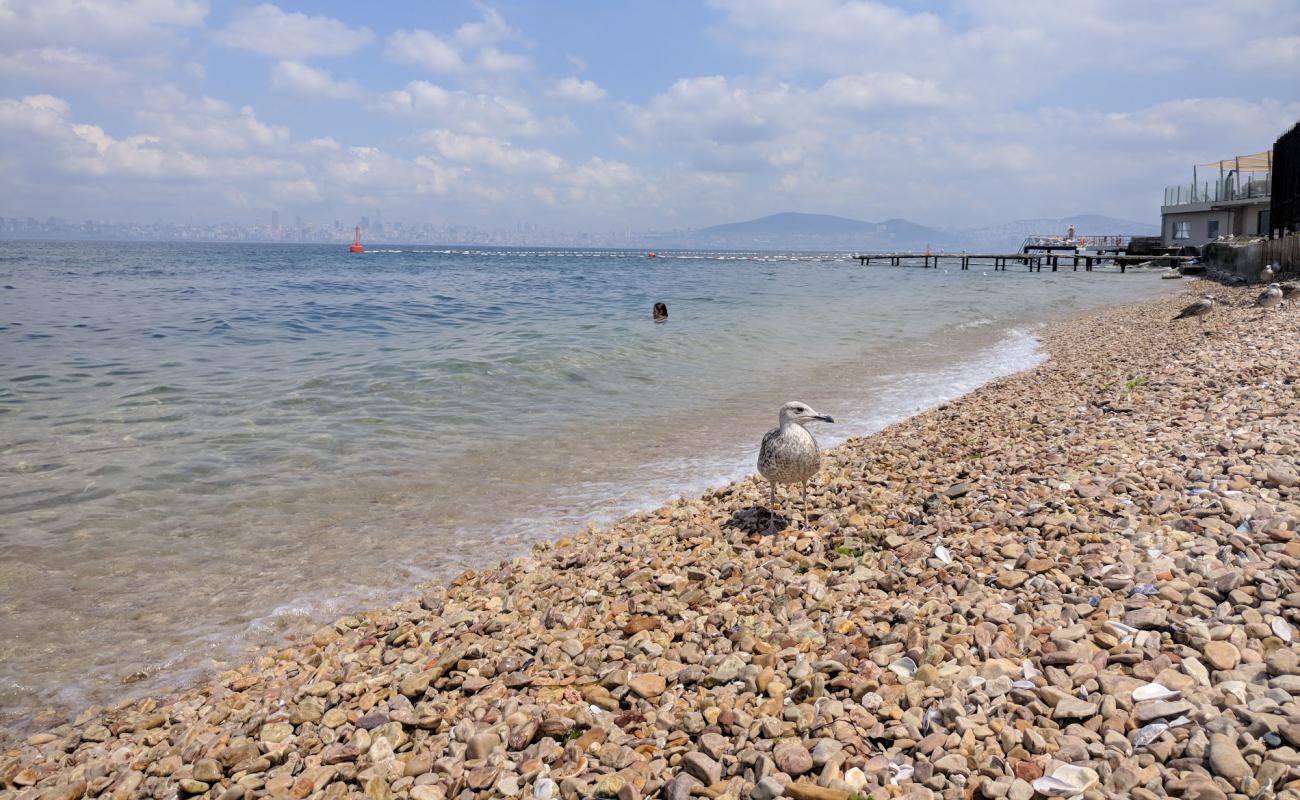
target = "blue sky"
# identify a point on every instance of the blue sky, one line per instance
(609, 115)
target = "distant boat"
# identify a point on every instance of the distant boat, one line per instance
(651, 254)
(356, 242)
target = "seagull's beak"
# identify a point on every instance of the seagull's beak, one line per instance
(824, 418)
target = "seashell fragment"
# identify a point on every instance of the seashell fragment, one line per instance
(943, 554)
(1067, 781)
(1149, 733)
(904, 667)
(902, 772)
(1282, 629)
(1155, 691)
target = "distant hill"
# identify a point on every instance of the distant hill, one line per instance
(795, 231)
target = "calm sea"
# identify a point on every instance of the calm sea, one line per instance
(205, 447)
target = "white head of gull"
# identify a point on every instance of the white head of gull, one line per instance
(789, 453)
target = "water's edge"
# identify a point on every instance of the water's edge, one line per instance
(1018, 351)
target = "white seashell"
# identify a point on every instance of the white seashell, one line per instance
(902, 772)
(1235, 688)
(1067, 781)
(1022, 684)
(1028, 670)
(1282, 629)
(1179, 722)
(1149, 733)
(545, 789)
(1120, 631)
(943, 554)
(855, 778)
(872, 700)
(904, 667)
(1155, 691)
(1155, 552)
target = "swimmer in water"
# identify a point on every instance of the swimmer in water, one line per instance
(661, 312)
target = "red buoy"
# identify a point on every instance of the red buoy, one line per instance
(650, 254)
(356, 242)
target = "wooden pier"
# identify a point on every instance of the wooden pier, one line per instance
(1035, 261)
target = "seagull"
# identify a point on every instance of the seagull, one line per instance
(1269, 297)
(1289, 288)
(789, 452)
(1198, 309)
(1266, 274)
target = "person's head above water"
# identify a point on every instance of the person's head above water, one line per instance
(661, 312)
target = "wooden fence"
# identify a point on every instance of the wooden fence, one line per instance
(1284, 251)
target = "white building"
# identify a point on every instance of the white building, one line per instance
(1232, 202)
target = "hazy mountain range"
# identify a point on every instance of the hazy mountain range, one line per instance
(793, 231)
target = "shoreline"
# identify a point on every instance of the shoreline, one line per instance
(489, 683)
(180, 650)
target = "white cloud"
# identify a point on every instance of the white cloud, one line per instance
(717, 124)
(368, 172)
(881, 90)
(488, 151)
(98, 24)
(1274, 53)
(54, 149)
(61, 65)
(457, 109)
(490, 30)
(206, 123)
(300, 78)
(449, 54)
(425, 49)
(271, 31)
(39, 114)
(491, 59)
(1007, 49)
(576, 90)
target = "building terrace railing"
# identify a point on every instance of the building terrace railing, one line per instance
(1217, 191)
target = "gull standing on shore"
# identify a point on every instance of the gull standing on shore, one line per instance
(1289, 288)
(1270, 297)
(1198, 309)
(789, 453)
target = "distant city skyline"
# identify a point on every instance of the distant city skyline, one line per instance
(586, 115)
(772, 233)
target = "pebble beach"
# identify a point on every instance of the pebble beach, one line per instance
(1079, 580)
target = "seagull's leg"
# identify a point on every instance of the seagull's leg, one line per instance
(805, 504)
(771, 513)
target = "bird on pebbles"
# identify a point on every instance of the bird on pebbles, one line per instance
(789, 453)
(1198, 309)
(1270, 297)
(1266, 274)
